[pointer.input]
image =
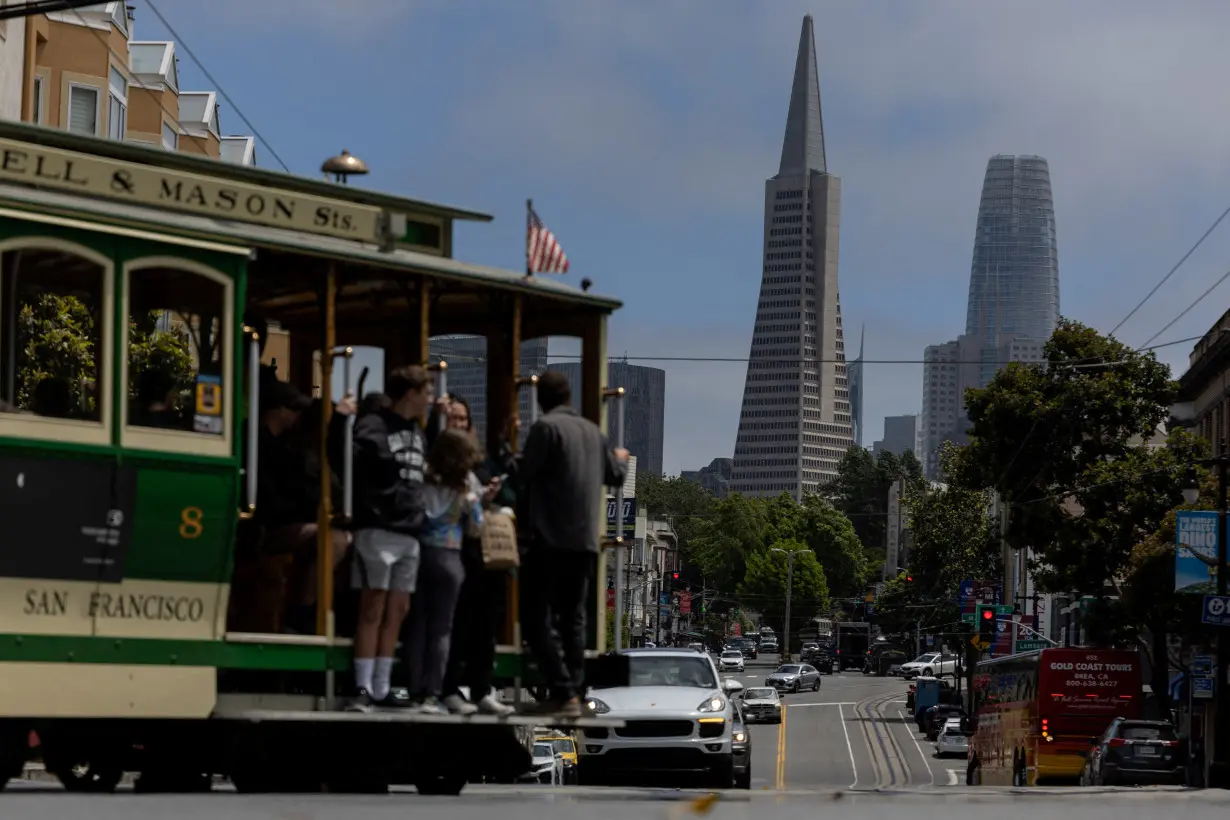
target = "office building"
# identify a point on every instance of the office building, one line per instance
(900, 436)
(1013, 305)
(795, 423)
(644, 407)
(854, 377)
(715, 478)
(466, 375)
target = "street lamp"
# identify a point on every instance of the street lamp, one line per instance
(1219, 769)
(789, 589)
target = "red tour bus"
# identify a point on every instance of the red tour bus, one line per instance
(1034, 713)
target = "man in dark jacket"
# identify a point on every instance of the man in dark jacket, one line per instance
(563, 471)
(389, 457)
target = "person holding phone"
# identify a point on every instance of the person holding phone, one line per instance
(471, 660)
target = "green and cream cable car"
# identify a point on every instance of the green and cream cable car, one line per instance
(136, 634)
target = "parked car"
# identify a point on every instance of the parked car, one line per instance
(762, 705)
(1136, 752)
(678, 716)
(952, 740)
(731, 661)
(794, 677)
(741, 748)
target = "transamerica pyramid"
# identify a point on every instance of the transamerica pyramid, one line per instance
(795, 424)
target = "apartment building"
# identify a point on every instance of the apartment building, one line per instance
(85, 72)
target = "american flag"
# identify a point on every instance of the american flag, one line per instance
(543, 253)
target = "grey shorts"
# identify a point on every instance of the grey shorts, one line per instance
(385, 560)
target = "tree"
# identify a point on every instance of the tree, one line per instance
(55, 339)
(1064, 444)
(766, 583)
(736, 527)
(955, 539)
(1071, 445)
(684, 503)
(831, 536)
(55, 336)
(152, 349)
(860, 491)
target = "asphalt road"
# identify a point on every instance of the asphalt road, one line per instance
(846, 751)
(852, 734)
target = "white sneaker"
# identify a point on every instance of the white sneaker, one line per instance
(490, 706)
(459, 705)
(430, 706)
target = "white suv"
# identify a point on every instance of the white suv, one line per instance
(677, 715)
(932, 664)
(731, 661)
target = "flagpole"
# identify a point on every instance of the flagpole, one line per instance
(529, 209)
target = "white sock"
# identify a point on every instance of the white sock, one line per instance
(363, 673)
(380, 678)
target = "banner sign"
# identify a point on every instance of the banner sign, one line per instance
(1195, 560)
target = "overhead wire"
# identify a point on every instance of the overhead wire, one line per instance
(1171, 273)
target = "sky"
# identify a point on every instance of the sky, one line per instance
(644, 130)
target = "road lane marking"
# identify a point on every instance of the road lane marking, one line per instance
(849, 748)
(781, 753)
(952, 777)
(914, 738)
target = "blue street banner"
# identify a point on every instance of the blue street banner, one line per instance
(1195, 560)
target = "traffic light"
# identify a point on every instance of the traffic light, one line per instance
(909, 579)
(675, 576)
(986, 621)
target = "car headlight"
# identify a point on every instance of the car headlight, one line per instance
(714, 703)
(739, 737)
(597, 707)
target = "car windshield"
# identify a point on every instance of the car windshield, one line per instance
(787, 670)
(542, 750)
(757, 694)
(732, 653)
(563, 745)
(925, 659)
(670, 670)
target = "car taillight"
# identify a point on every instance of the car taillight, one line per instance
(1117, 741)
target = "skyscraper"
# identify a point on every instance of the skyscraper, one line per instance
(795, 423)
(1013, 298)
(854, 375)
(644, 408)
(1014, 278)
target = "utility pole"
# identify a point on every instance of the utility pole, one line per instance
(789, 591)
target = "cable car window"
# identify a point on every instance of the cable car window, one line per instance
(178, 342)
(54, 323)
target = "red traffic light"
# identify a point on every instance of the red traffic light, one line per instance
(988, 614)
(675, 575)
(909, 578)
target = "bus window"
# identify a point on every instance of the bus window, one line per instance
(55, 315)
(178, 369)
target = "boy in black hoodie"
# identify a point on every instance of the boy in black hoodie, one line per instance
(389, 456)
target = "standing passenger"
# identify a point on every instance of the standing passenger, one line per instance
(388, 514)
(566, 463)
(453, 509)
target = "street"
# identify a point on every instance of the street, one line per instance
(848, 746)
(850, 734)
